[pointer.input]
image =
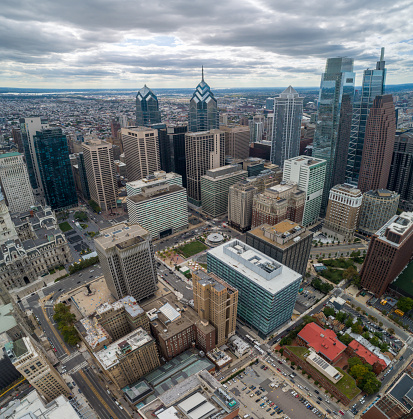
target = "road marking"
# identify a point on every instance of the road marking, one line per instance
(62, 344)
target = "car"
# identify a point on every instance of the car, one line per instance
(318, 402)
(297, 396)
(341, 412)
(317, 391)
(55, 349)
(252, 395)
(272, 414)
(319, 398)
(278, 370)
(280, 362)
(256, 401)
(268, 409)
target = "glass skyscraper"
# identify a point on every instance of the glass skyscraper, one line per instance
(203, 109)
(373, 85)
(52, 154)
(147, 107)
(336, 83)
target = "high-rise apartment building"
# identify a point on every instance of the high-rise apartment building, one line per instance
(257, 128)
(288, 112)
(401, 170)
(390, 250)
(309, 174)
(100, 171)
(17, 139)
(277, 203)
(373, 85)
(237, 141)
(286, 242)
(336, 82)
(343, 211)
(32, 363)
(161, 209)
(173, 160)
(215, 186)
(126, 255)
(216, 301)
(377, 208)
(267, 289)
(84, 185)
(52, 156)
(15, 182)
(203, 109)
(203, 151)
(8, 230)
(141, 149)
(240, 198)
(29, 127)
(129, 358)
(158, 178)
(147, 107)
(378, 145)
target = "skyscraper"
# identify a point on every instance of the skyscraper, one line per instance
(336, 83)
(147, 107)
(237, 141)
(52, 156)
(15, 182)
(128, 265)
(373, 85)
(203, 151)
(84, 185)
(203, 109)
(378, 145)
(288, 112)
(100, 171)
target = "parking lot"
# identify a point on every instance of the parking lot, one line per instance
(308, 297)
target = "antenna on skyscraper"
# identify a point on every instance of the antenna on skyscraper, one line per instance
(202, 73)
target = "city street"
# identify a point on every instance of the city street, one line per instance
(337, 249)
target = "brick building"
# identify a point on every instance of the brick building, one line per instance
(357, 349)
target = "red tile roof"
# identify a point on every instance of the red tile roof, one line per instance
(364, 353)
(324, 341)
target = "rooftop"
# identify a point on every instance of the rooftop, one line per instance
(211, 279)
(364, 353)
(121, 235)
(12, 154)
(396, 230)
(347, 189)
(401, 389)
(147, 195)
(264, 271)
(7, 321)
(224, 172)
(306, 160)
(156, 178)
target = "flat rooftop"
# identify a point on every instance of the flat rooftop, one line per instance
(307, 160)
(156, 178)
(216, 282)
(128, 303)
(264, 271)
(397, 226)
(401, 389)
(110, 356)
(120, 233)
(147, 195)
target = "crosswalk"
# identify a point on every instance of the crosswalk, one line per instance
(78, 367)
(69, 357)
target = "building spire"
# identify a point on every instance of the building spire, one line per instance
(202, 73)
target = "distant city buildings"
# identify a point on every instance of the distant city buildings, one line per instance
(377, 208)
(286, 133)
(126, 255)
(15, 182)
(286, 242)
(141, 149)
(309, 174)
(343, 212)
(390, 250)
(267, 289)
(378, 145)
(147, 108)
(337, 82)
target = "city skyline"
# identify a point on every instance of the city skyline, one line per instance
(264, 44)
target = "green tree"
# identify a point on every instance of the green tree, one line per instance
(370, 384)
(80, 216)
(95, 207)
(405, 304)
(357, 328)
(366, 335)
(375, 341)
(349, 321)
(390, 330)
(358, 372)
(354, 361)
(346, 338)
(328, 311)
(350, 273)
(341, 316)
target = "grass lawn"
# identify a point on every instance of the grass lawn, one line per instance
(338, 263)
(191, 249)
(65, 226)
(204, 265)
(333, 275)
(405, 281)
(347, 385)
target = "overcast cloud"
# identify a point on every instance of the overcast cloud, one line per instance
(127, 43)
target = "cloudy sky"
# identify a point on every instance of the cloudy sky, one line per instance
(246, 43)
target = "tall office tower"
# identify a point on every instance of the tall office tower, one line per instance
(8, 230)
(240, 197)
(84, 185)
(29, 127)
(277, 203)
(141, 149)
(101, 175)
(203, 109)
(286, 242)
(36, 368)
(257, 125)
(203, 151)
(343, 211)
(126, 254)
(390, 250)
(157, 179)
(336, 82)
(17, 138)
(401, 170)
(288, 112)
(15, 182)
(129, 358)
(161, 209)
(114, 127)
(215, 187)
(147, 107)
(373, 85)
(309, 174)
(237, 141)
(52, 155)
(216, 301)
(269, 103)
(377, 208)
(267, 289)
(378, 145)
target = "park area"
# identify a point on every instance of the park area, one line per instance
(65, 226)
(192, 248)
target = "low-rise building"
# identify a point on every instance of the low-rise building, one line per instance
(355, 348)
(219, 358)
(333, 374)
(240, 346)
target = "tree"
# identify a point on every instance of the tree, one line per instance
(375, 341)
(354, 361)
(80, 216)
(346, 339)
(328, 311)
(390, 330)
(370, 384)
(340, 316)
(349, 321)
(95, 207)
(358, 372)
(405, 304)
(357, 328)
(381, 324)
(366, 335)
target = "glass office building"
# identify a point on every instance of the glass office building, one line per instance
(267, 289)
(147, 108)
